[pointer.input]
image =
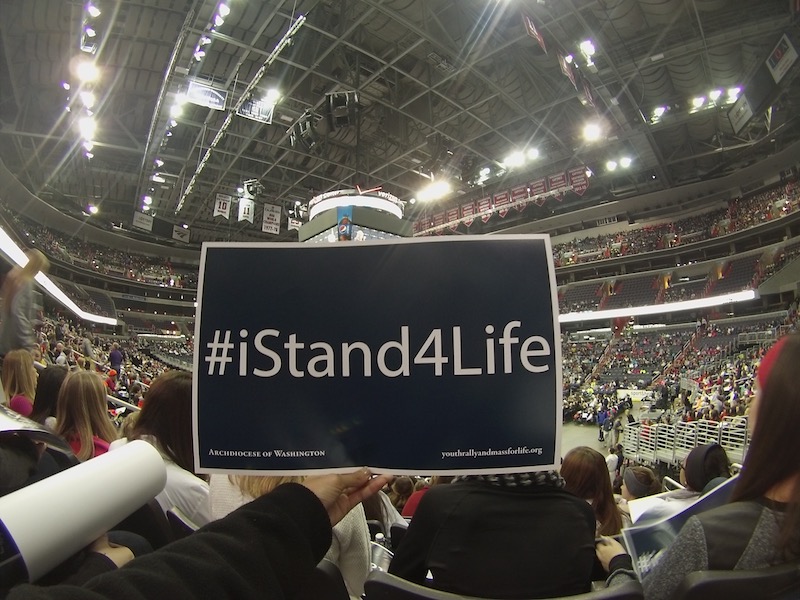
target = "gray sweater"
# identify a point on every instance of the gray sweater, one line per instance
(740, 535)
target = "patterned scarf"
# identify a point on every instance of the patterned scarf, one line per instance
(517, 480)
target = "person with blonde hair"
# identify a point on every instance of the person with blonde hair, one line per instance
(16, 329)
(349, 548)
(82, 415)
(19, 381)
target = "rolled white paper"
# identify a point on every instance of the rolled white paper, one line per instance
(52, 519)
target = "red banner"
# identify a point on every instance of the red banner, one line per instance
(438, 220)
(578, 180)
(566, 68)
(557, 183)
(452, 218)
(518, 194)
(467, 211)
(501, 202)
(530, 28)
(485, 209)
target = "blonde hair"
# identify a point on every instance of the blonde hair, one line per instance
(256, 486)
(82, 413)
(19, 376)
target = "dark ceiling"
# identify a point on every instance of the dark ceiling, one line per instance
(445, 87)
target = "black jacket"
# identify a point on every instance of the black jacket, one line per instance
(483, 540)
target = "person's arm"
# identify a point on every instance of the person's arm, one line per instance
(687, 553)
(265, 549)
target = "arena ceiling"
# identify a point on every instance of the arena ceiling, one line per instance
(445, 87)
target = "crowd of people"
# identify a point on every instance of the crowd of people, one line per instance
(740, 213)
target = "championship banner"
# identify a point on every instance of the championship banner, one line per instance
(308, 373)
(501, 202)
(578, 180)
(518, 194)
(222, 205)
(205, 94)
(566, 69)
(531, 30)
(438, 221)
(468, 212)
(271, 221)
(246, 209)
(452, 218)
(781, 59)
(485, 209)
(538, 190)
(557, 183)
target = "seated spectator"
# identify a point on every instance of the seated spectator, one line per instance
(19, 381)
(500, 536)
(413, 500)
(637, 482)
(82, 415)
(586, 474)
(401, 491)
(761, 525)
(46, 399)
(705, 468)
(165, 422)
(349, 549)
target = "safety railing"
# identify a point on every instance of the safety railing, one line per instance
(670, 444)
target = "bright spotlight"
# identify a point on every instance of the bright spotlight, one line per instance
(733, 93)
(272, 97)
(93, 209)
(93, 11)
(699, 101)
(148, 200)
(434, 191)
(176, 111)
(88, 145)
(87, 71)
(592, 132)
(533, 153)
(224, 10)
(714, 95)
(515, 159)
(87, 127)
(659, 111)
(625, 162)
(611, 165)
(218, 21)
(88, 99)
(587, 47)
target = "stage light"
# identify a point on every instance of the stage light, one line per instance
(87, 71)
(714, 95)
(659, 111)
(87, 127)
(87, 98)
(699, 101)
(434, 191)
(515, 159)
(148, 200)
(625, 162)
(533, 153)
(611, 165)
(224, 10)
(93, 11)
(592, 132)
